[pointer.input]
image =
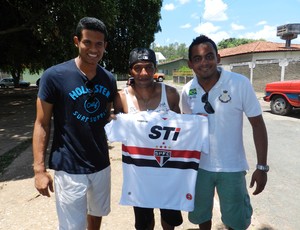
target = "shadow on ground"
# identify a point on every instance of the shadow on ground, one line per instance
(17, 116)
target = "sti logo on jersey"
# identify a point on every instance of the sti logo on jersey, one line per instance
(167, 132)
(162, 156)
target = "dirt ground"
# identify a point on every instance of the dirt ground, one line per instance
(21, 206)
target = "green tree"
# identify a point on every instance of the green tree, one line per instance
(233, 42)
(37, 34)
(172, 51)
(136, 24)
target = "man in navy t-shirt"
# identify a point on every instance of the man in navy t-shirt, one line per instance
(78, 94)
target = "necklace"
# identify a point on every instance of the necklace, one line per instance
(145, 101)
(89, 74)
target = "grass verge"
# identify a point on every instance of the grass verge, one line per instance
(7, 158)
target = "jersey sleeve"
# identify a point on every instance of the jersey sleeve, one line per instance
(204, 134)
(199, 131)
(116, 129)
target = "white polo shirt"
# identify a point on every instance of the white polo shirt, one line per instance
(231, 97)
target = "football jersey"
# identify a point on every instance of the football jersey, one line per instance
(160, 155)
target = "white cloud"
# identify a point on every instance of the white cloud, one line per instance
(168, 40)
(214, 10)
(219, 36)
(237, 27)
(206, 28)
(268, 33)
(186, 26)
(183, 1)
(165, 41)
(211, 31)
(157, 44)
(170, 7)
(261, 23)
(195, 16)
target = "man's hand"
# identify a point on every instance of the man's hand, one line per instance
(112, 117)
(260, 178)
(44, 183)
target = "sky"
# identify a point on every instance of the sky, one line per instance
(183, 20)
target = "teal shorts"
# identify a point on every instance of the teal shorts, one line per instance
(234, 199)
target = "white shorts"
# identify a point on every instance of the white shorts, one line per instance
(80, 194)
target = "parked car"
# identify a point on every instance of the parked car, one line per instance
(283, 96)
(159, 77)
(9, 82)
(24, 84)
(6, 82)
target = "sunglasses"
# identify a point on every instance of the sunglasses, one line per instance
(90, 86)
(207, 106)
(138, 68)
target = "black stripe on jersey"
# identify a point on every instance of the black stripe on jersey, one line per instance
(155, 164)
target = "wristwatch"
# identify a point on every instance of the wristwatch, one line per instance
(264, 168)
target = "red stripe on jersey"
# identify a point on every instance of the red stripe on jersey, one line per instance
(133, 150)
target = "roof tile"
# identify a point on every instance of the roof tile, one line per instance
(257, 47)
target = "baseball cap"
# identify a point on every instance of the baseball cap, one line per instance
(141, 54)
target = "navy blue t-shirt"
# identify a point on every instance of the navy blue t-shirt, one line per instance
(80, 112)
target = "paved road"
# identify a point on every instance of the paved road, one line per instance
(276, 208)
(279, 205)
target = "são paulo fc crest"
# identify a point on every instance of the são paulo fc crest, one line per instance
(162, 156)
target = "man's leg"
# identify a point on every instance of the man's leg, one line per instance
(144, 218)
(166, 226)
(71, 200)
(205, 226)
(236, 209)
(170, 218)
(94, 222)
(98, 197)
(204, 198)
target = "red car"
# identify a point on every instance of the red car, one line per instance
(283, 95)
(159, 77)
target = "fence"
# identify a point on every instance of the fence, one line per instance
(182, 76)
